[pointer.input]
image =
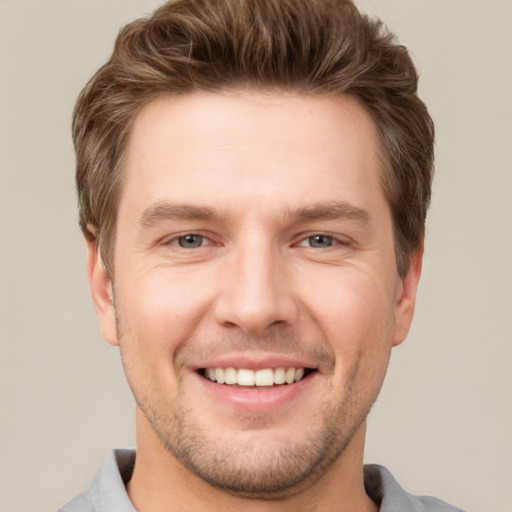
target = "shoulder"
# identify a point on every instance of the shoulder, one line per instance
(107, 491)
(385, 490)
(81, 503)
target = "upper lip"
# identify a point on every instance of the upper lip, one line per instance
(254, 361)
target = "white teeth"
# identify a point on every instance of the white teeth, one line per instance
(219, 375)
(264, 378)
(299, 373)
(245, 377)
(279, 376)
(231, 376)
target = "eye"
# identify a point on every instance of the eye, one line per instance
(318, 241)
(191, 241)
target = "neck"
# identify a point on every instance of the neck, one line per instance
(160, 483)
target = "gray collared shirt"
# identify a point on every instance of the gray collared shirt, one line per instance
(107, 492)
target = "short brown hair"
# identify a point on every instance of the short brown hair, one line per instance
(323, 47)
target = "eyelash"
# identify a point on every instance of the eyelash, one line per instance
(175, 240)
(334, 241)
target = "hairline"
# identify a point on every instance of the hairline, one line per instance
(384, 164)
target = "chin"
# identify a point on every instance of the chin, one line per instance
(258, 463)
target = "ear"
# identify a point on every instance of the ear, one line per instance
(406, 297)
(101, 292)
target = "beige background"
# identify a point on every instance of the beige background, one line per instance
(443, 424)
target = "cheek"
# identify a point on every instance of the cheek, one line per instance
(356, 316)
(352, 304)
(156, 313)
(163, 305)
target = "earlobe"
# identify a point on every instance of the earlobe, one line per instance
(101, 292)
(406, 297)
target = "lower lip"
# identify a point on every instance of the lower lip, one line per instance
(252, 399)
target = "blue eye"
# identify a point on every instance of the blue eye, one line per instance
(320, 241)
(190, 241)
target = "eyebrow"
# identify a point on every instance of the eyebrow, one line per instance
(330, 211)
(319, 211)
(168, 211)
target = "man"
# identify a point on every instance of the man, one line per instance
(253, 180)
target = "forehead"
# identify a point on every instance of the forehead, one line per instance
(278, 148)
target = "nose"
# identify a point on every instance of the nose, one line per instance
(256, 291)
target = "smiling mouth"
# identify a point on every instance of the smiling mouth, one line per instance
(255, 379)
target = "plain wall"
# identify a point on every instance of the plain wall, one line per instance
(443, 423)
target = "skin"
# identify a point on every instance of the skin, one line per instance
(257, 175)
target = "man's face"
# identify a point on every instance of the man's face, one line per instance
(254, 241)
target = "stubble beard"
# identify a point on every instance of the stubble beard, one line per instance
(253, 470)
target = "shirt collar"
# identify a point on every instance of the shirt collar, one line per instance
(108, 491)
